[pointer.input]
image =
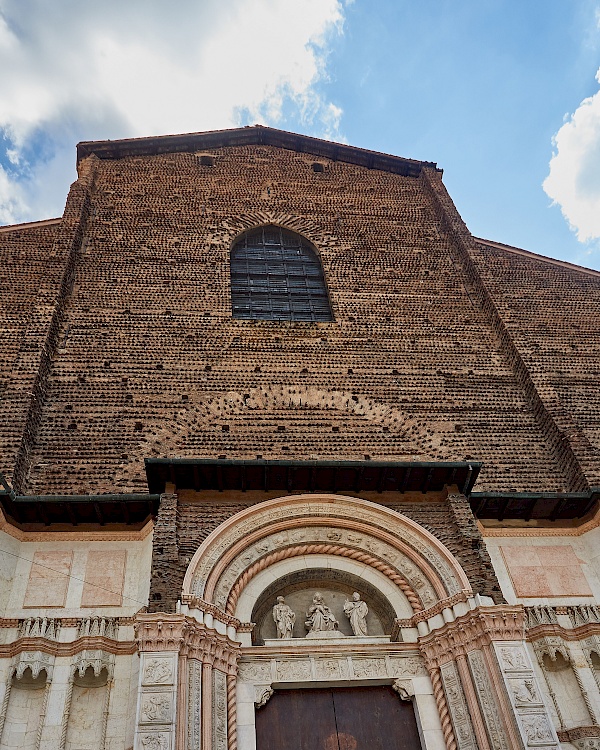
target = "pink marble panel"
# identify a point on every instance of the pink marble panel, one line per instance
(48, 579)
(104, 577)
(545, 571)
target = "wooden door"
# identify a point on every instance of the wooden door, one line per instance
(361, 718)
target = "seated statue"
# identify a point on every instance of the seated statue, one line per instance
(320, 619)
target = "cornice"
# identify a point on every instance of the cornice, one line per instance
(254, 135)
(534, 531)
(567, 634)
(54, 648)
(75, 535)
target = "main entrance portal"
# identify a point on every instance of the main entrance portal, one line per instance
(359, 718)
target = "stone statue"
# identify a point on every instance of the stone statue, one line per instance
(284, 617)
(356, 611)
(319, 618)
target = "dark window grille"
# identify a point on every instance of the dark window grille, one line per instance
(276, 275)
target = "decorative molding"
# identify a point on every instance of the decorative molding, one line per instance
(439, 607)
(567, 634)
(262, 693)
(476, 628)
(36, 661)
(97, 659)
(457, 707)
(53, 648)
(194, 602)
(443, 710)
(194, 702)
(75, 535)
(194, 640)
(320, 549)
(488, 702)
(287, 514)
(540, 531)
(219, 712)
(584, 738)
(405, 689)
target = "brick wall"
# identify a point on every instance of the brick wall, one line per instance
(152, 363)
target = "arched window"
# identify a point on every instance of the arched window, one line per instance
(276, 275)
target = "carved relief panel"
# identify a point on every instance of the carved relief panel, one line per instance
(156, 707)
(525, 695)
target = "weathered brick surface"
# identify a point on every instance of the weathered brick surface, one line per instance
(151, 362)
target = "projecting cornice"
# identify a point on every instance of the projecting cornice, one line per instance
(254, 135)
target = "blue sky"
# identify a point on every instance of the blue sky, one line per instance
(503, 95)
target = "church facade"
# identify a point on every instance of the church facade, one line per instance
(289, 459)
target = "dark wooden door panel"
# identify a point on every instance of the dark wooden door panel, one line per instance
(297, 720)
(361, 718)
(374, 718)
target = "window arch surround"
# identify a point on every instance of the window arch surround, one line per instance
(276, 274)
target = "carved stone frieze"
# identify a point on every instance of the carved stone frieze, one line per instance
(97, 659)
(158, 671)
(194, 703)
(364, 668)
(328, 667)
(291, 512)
(156, 708)
(487, 701)
(36, 661)
(289, 670)
(219, 713)
(457, 706)
(154, 741)
(255, 671)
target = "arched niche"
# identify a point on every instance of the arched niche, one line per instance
(336, 585)
(86, 710)
(253, 541)
(24, 709)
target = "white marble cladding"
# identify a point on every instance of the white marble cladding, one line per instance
(258, 674)
(19, 558)
(535, 725)
(156, 713)
(57, 720)
(329, 667)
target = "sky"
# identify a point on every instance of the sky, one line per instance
(503, 94)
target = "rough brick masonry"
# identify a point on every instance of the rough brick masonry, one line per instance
(137, 353)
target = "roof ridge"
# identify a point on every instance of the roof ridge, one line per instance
(537, 256)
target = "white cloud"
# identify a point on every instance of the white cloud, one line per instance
(574, 179)
(85, 71)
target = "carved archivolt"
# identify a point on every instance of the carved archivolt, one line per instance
(321, 549)
(409, 555)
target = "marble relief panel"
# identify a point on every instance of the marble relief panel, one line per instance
(48, 579)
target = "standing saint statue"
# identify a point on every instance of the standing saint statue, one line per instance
(284, 617)
(356, 611)
(319, 618)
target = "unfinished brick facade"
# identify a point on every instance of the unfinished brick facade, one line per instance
(441, 347)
